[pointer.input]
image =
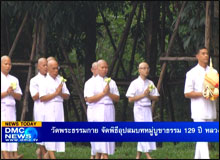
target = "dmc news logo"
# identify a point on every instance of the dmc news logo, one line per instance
(19, 132)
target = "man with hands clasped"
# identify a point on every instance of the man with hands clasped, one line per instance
(142, 91)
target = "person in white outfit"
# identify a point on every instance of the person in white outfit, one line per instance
(38, 105)
(91, 106)
(9, 93)
(202, 110)
(103, 94)
(52, 92)
(139, 93)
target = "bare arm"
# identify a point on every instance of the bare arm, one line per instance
(11, 92)
(4, 94)
(65, 96)
(36, 96)
(153, 98)
(193, 94)
(48, 97)
(95, 98)
(99, 96)
(114, 97)
(17, 96)
(145, 94)
(52, 95)
(136, 98)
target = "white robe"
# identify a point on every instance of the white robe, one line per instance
(142, 108)
(34, 89)
(8, 104)
(90, 110)
(202, 110)
(103, 110)
(39, 113)
(53, 108)
(200, 107)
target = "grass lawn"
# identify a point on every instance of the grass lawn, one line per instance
(183, 150)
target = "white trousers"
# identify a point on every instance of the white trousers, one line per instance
(54, 113)
(144, 114)
(90, 118)
(39, 115)
(202, 148)
(8, 113)
(104, 113)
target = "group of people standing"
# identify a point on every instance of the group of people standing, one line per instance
(100, 96)
(48, 92)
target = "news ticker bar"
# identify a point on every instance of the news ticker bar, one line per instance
(29, 131)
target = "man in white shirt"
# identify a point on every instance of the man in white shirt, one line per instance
(139, 93)
(202, 110)
(103, 94)
(10, 91)
(38, 105)
(52, 93)
(91, 106)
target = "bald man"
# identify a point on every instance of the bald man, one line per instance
(52, 93)
(103, 94)
(38, 105)
(8, 104)
(91, 106)
(51, 58)
(139, 93)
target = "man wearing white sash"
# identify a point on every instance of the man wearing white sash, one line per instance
(91, 106)
(202, 109)
(10, 91)
(52, 93)
(142, 91)
(103, 94)
(38, 105)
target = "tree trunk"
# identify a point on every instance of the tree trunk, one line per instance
(90, 46)
(135, 42)
(122, 40)
(208, 25)
(170, 45)
(76, 83)
(18, 35)
(154, 42)
(41, 40)
(26, 93)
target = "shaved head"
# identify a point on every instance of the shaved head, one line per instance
(94, 68)
(102, 68)
(5, 64)
(53, 68)
(52, 62)
(101, 61)
(143, 70)
(42, 65)
(94, 64)
(51, 58)
(5, 57)
(142, 64)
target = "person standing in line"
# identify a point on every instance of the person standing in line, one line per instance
(103, 94)
(52, 93)
(91, 106)
(38, 105)
(141, 91)
(10, 91)
(202, 109)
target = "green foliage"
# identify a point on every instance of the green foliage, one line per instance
(67, 21)
(192, 28)
(182, 150)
